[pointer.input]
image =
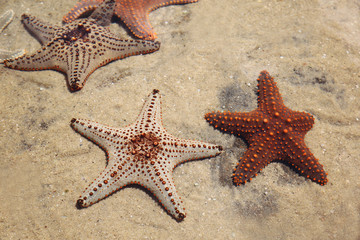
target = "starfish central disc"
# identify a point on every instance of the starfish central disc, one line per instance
(145, 147)
(77, 33)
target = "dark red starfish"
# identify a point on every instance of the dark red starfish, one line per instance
(273, 133)
(134, 13)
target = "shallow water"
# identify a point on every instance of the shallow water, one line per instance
(210, 57)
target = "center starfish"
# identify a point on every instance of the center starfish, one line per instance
(80, 47)
(143, 153)
(134, 13)
(273, 132)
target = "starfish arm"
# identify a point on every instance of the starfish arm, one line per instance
(255, 158)
(237, 123)
(83, 61)
(150, 116)
(269, 98)
(107, 183)
(303, 161)
(163, 188)
(120, 48)
(182, 150)
(135, 15)
(136, 18)
(5, 54)
(80, 8)
(43, 31)
(104, 12)
(5, 19)
(301, 121)
(80, 64)
(100, 134)
(44, 58)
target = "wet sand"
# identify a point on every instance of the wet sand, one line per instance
(211, 54)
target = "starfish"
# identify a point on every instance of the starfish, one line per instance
(5, 19)
(273, 133)
(143, 153)
(80, 47)
(134, 13)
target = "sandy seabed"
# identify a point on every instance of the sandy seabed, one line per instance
(211, 54)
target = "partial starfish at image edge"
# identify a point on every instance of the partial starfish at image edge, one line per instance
(133, 13)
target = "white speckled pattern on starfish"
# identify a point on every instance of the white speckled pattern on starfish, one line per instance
(80, 47)
(142, 153)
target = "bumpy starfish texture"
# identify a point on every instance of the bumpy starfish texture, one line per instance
(142, 153)
(5, 19)
(80, 47)
(134, 13)
(273, 133)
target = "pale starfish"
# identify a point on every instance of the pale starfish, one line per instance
(5, 19)
(80, 47)
(142, 153)
(134, 13)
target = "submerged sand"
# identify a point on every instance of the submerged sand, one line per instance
(210, 57)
